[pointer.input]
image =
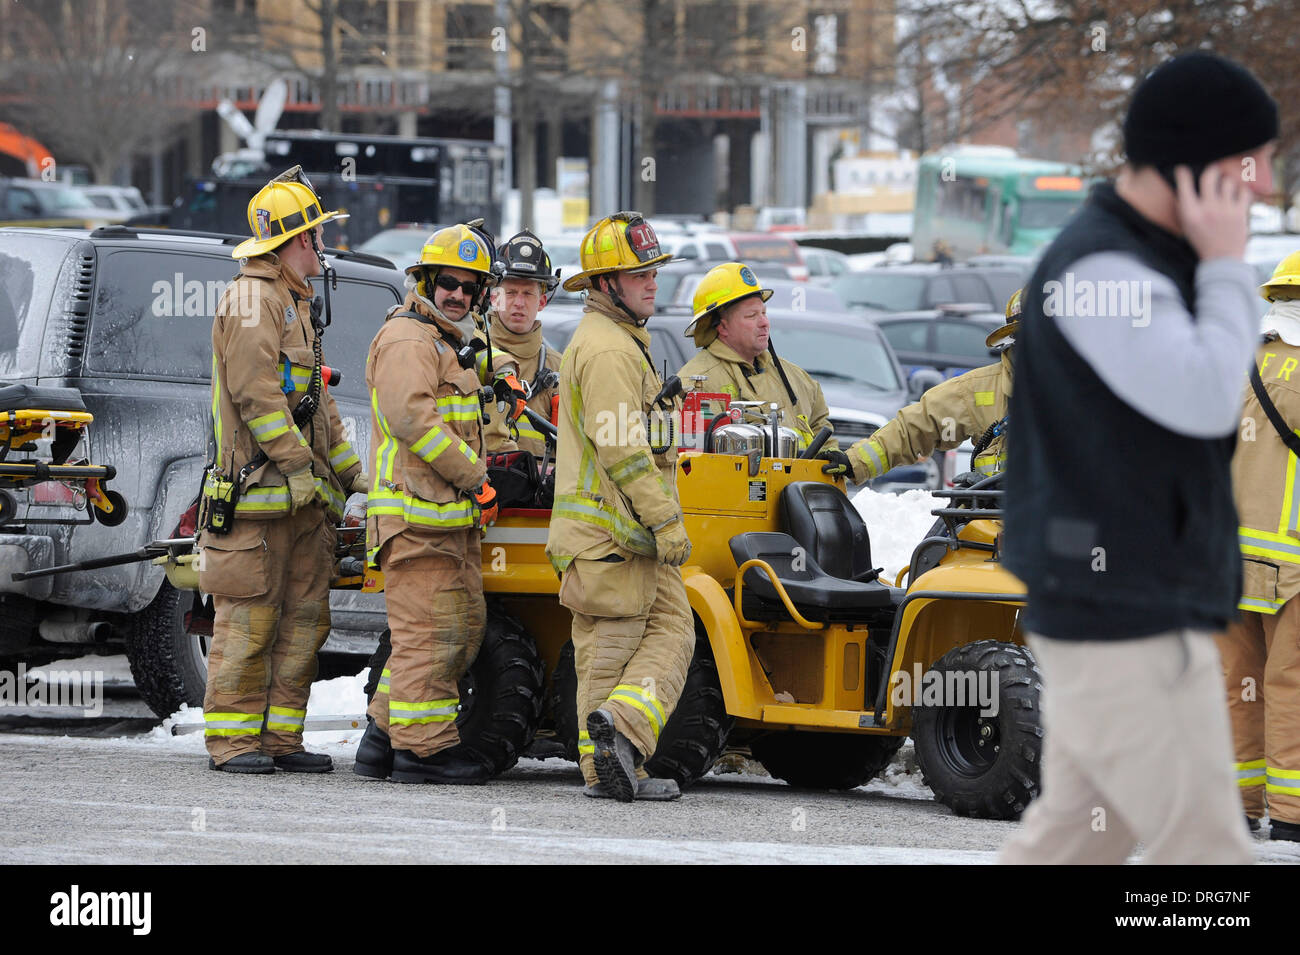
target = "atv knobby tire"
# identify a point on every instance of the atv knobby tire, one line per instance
(167, 647)
(697, 729)
(824, 760)
(998, 779)
(500, 695)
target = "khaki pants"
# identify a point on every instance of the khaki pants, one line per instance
(631, 664)
(1261, 668)
(1136, 749)
(436, 615)
(270, 585)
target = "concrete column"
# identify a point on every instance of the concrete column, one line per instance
(606, 131)
(790, 126)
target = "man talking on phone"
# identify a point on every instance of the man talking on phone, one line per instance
(1136, 334)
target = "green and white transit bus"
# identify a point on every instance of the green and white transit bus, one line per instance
(983, 200)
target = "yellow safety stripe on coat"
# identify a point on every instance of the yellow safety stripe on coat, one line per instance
(642, 700)
(263, 500)
(481, 367)
(524, 429)
(874, 457)
(1285, 782)
(232, 724)
(431, 444)
(585, 746)
(1289, 517)
(269, 426)
(1280, 547)
(432, 711)
(299, 375)
(333, 500)
(217, 427)
(301, 440)
(992, 463)
(385, 680)
(983, 399)
(285, 719)
(590, 510)
(385, 450)
(634, 466)
(1260, 605)
(343, 457)
(458, 407)
(1250, 774)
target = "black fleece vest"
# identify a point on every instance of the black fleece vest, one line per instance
(1119, 527)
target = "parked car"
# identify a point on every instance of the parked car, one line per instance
(824, 265)
(906, 288)
(124, 316)
(711, 246)
(117, 203)
(752, 247)
(787, 294)
(949, 338)
(35, 202)
(401, 244)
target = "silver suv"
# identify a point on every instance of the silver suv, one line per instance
(125, 317)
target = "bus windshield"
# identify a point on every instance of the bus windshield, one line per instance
(1046, 213)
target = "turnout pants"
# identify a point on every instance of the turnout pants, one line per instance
(1136, 749)
(633, 638)
(270, 585)
(436, 615)
(1261, 668)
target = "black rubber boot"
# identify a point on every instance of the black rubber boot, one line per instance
(244, 763)
(455, 767)
(1252, 824)
(1283, 831)
(650, 790)
(304, 762)
(615, 756)
(374, 754)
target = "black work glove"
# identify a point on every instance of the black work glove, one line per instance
(837, 462)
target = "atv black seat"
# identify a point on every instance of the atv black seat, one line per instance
(803, 579)
(823, 520)
(21, 397)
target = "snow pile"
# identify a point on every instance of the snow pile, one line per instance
(897, 523)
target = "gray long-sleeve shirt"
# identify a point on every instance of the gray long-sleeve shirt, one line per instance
(1129, 324)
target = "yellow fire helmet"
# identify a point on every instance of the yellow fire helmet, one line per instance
(1013, 322)
(722, 285)
(623, 242)
(282, 208)
(1284, 283)
(456, 247)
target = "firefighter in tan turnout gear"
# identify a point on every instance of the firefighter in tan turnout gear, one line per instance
(738, 358)
(275, 490)
(617, 537)
(429, 499)
(1261, 651)
(973, 405)
(526, 281)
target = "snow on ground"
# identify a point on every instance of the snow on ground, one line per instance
(897, 523)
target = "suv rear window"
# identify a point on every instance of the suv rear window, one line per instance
(29, 269)
(153, 312)
(358, 313)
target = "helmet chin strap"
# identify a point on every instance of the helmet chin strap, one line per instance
(618, 301)
(329, 278)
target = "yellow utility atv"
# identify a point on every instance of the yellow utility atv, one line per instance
(802, 655)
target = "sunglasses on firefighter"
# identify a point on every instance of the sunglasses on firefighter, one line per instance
(449, 284)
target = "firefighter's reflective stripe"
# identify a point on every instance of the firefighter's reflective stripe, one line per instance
(417, 511)
(1289, 519)
(342, 457)
(1260, 605)
(332, 498)
(285, 720)
(431, 444)
(458, 408)
(585, 746)
(643, 700)
(269, 426)
(431, 711)
(217, 428)
(385, 680)
(297, 378)
(232, 724)
(873, 455)
(263, 500)
(989, 463)
(1285, 782)
(636, 465)
(1259, 543)
(524, 429)
(590, 509)
(385, 450)
(481, 366)
(1250, 774)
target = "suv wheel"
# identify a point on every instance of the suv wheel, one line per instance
(167, 645)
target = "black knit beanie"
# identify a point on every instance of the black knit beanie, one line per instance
(1197, 108)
